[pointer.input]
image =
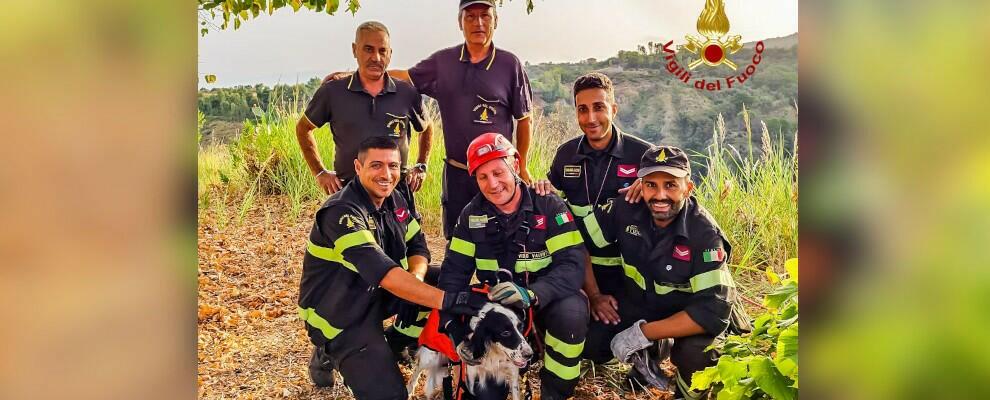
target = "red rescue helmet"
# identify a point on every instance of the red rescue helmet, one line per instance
(489, 146)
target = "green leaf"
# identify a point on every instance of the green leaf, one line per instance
(701, 380)
(772, 276)
(332, 6)
(791, 266)
(210, 78)
(295, 5)
(786, 359)
(732, 393)
(770, 380)
(781, 295)
(353, 6)
(731, 371)
(203, 31)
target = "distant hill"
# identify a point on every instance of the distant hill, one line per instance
(653, 104)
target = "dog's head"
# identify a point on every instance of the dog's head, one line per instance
(497, 332)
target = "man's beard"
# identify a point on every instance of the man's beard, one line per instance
(666, 215)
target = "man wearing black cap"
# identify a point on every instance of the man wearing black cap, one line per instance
(479, 88)
(678, 289)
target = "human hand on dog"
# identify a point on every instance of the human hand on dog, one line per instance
(511, 295)
(466, 303)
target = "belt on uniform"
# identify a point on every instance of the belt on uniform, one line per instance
(457, 164)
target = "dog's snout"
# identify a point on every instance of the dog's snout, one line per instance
(527, 351)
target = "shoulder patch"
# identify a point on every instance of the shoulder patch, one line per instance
(350, 221)
(682, 252)
(572, 171)
(402, 214)
(713, 255)
(626, 170)
(540, 222)
(563, 218)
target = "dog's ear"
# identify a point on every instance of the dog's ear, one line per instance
(479, 339)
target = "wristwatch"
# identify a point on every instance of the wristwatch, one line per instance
(420, 166)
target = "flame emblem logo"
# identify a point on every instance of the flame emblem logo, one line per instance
(713, 25)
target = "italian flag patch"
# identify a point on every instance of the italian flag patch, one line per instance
(711, 255)
(564, 218)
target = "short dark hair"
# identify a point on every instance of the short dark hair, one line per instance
(595, 80)
(376, 142)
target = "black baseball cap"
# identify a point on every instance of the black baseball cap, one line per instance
(669, 159)
(466, 3)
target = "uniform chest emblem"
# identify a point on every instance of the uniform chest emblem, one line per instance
(540, 222)
(484, 111)
(371, 223)
(682, 252)
(349, 221)
(572, 171)
(477, 221)
(402, 214)
(633, 230)
(396, 124)
(627, 171)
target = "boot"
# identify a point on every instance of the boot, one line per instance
(321, 369)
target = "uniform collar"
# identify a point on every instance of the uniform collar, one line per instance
(487, 62)
(614, 147)
(355, 85)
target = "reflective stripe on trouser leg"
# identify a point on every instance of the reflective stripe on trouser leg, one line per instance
(683, 386)
(566, 324)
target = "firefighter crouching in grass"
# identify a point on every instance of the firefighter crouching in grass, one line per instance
(678, 290)
(366, 261)
(528, 249)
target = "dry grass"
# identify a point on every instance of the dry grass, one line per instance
(250, 342)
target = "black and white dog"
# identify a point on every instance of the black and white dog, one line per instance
(497, 336)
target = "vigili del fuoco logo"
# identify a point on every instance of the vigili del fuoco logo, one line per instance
(713, 49)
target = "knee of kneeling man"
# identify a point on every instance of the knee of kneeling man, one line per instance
(690, 351)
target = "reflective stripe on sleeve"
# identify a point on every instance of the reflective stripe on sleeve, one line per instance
(563, 240)
(412, 229)
(462, 246)
(532, 265)
(633, 273)
(712, 278)
(313, 319)
(606, 261)
(486, 264)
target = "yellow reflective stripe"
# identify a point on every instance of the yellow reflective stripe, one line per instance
(712, 278)
(462, 246)
(634, 274)
(328, 254)
(606, 261)
(563, 240)
(405, 263)
(686, 389)
(663, 289)
(412, 331)
(353, 239)
(594, 230)
(412, 229)
(309, 315)
(580, 211)
(486, 264)
(532, 265)
(561, 370)
(565, 349)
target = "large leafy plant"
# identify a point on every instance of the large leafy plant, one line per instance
(764, 363)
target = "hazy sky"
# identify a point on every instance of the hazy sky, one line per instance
(292, 47)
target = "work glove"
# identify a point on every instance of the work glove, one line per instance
(407, 315)
(629, 341)
(511, 295)
(458, 335)
(464, 303)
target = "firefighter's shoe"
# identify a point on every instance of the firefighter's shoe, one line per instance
(321, 369)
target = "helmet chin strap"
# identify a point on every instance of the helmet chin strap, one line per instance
(515, 183)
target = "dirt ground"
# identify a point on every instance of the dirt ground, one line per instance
(251, 343)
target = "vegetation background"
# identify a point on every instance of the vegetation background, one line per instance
(256, 202)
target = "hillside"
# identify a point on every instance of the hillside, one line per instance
(653, 104)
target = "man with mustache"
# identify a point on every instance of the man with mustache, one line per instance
(479, 88)
(527, 248)
(369, 103)
(678, 289)
(591, 169)
(364, 240)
